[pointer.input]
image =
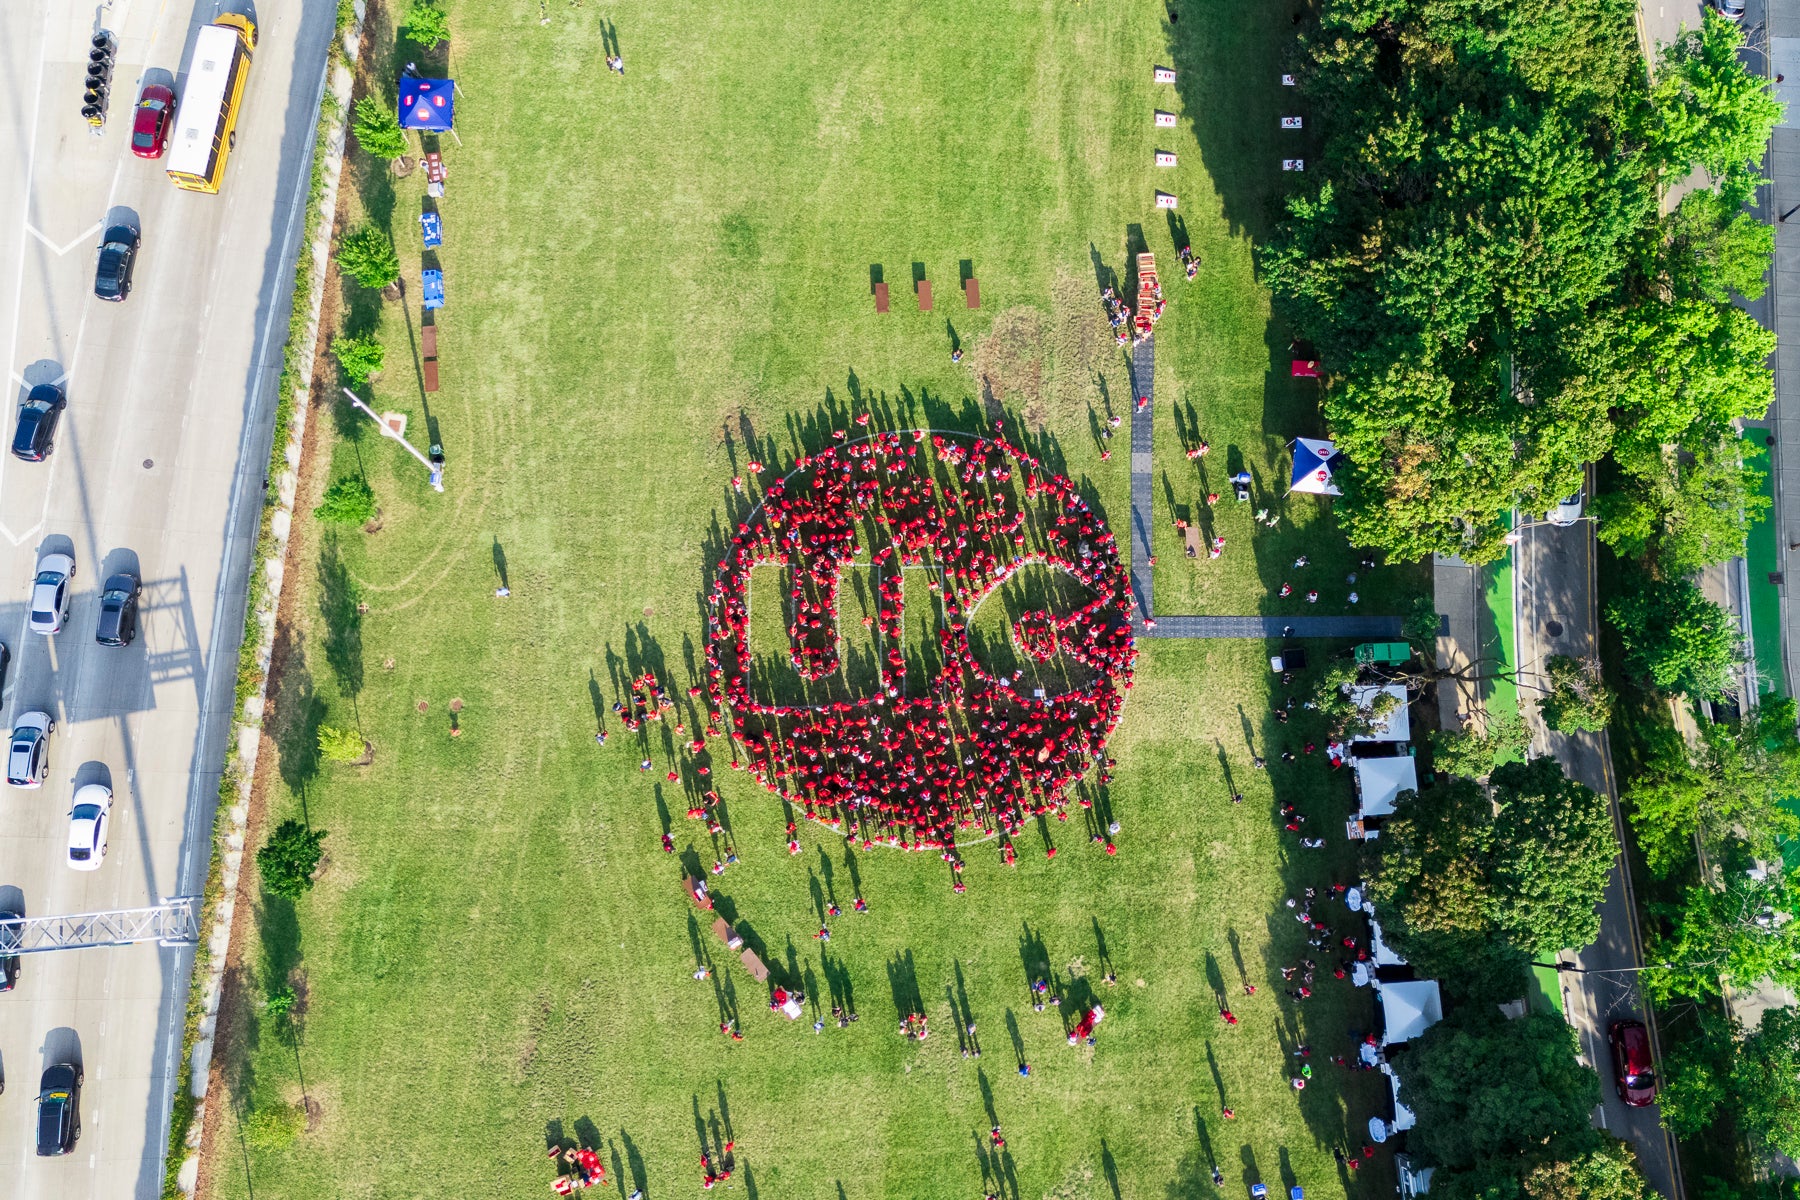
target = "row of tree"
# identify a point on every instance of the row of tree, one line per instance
(1485, 268)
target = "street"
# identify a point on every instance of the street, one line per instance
(1555, 613)
(158, 469)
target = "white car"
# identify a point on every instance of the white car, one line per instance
(1567, 510)
(51, 592)
(87, 826)
(28, 758)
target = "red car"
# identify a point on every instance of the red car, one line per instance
(150, 123)
(1633, 1075)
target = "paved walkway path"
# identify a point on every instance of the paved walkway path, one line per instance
(1145, 619)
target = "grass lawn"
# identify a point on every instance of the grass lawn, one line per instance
(652, 281)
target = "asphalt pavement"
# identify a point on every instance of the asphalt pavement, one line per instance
(1554, 610)
(158, 468)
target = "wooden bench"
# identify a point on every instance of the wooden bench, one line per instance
(431, 375)
(972, 291)
(881, 298)
(1193, 541)
(924, 295)
(429, 333)
(754, 965)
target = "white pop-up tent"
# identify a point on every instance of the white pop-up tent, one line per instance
(1384, 957)
(1396, 726)
(1403, 1116)
(1315, 462)
(1380, 780)
(1409, 1009)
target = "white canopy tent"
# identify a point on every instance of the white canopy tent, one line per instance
(1409, 1009)
(1403, 1116)
(1379, 781)
(1384, 957)
(1396, 726)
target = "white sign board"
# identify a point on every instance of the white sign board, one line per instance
(1165, 158)
(1164, 74)
(1165, 120)
(1290, 122)
(1164, 200)
(1293, 164)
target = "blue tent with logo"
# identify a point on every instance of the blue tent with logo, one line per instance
(428, 104)
(1315, 462)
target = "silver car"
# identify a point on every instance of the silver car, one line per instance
(28, 755)
(51, 592)
(1567, 510)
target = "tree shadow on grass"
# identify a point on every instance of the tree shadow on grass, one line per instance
(339, 603)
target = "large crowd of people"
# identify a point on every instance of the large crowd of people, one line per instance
(968, 754)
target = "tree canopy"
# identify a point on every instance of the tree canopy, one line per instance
(1765, 1081)
(1484, 267)
(1673, 636)
(1487, 1089)
(1525, 865)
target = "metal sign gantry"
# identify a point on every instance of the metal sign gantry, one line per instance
(174, 922)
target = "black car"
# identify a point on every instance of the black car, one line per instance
(118, 253)
(9, 966)
(59, 1110)
(118, 610)
(37, 423)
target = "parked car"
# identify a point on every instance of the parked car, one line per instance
(9, 966)
(118, 254)
(1633, 1075)
(150, 122)
(88, 819)
(51, 592)
(36, 431)
(59, 1110)
(118, 610)
(1567, 510)
(29, 758)
(1731, 10)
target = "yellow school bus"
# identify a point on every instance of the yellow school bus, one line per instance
(206, 118)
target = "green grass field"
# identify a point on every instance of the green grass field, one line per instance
(651, 281)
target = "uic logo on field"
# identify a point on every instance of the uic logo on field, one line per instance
(907, 730)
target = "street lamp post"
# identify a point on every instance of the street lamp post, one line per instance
(1559, 965)
(434, 464)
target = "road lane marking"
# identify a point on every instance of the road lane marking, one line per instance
(37, 104)
(59, 251)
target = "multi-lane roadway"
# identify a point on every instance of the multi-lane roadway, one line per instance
(158, 468)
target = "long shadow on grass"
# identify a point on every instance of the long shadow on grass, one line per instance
(339, 604)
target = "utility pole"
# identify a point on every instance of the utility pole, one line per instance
(434, 464)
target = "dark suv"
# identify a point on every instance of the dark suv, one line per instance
(36, 432)
(59, 1110)
(118, 254)
(118, 610)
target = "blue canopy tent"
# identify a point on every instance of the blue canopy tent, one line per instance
(428, 104)
(1315, 462)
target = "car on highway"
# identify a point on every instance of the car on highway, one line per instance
(1567, 510)
(9, 966)
(51, 592)
(28, 757)
(88, 819)
(59, 1110)
(118, 254)
(150, 121)
(36, 432)
(118, 610)
(1633, 1075)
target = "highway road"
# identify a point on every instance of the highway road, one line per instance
(1555, 614)
(158, 468)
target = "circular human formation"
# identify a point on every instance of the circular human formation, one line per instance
(969, 749)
